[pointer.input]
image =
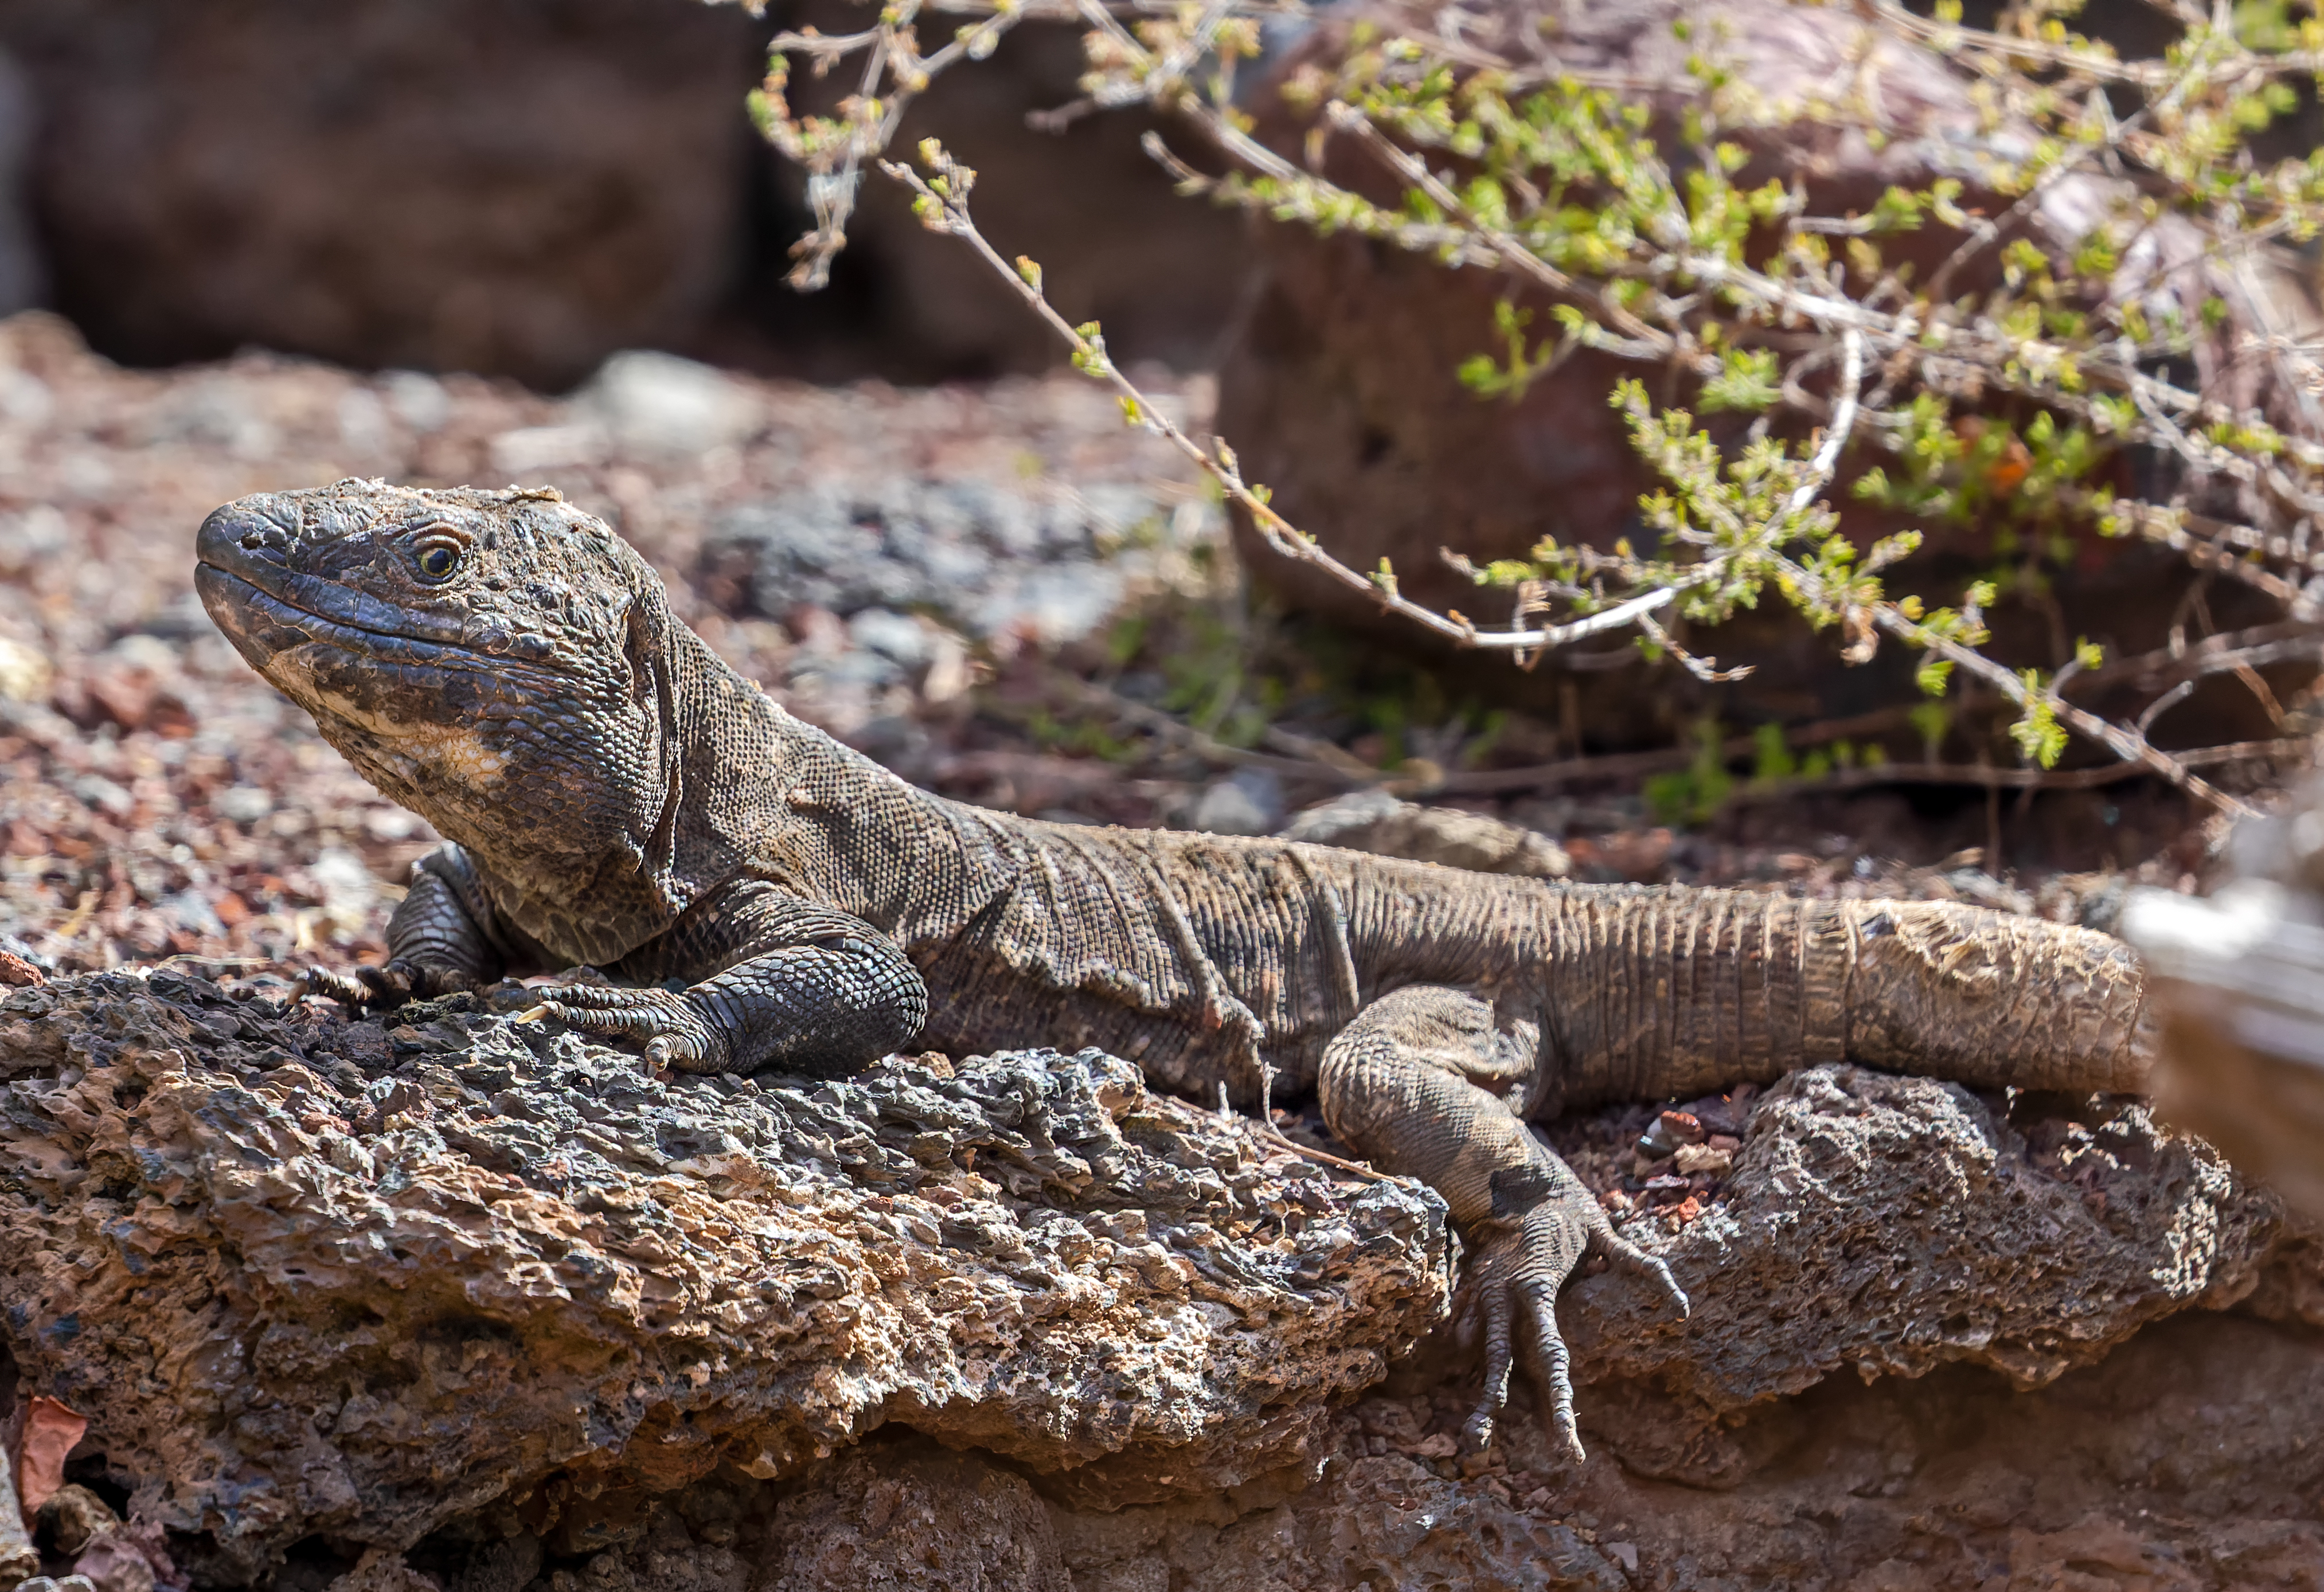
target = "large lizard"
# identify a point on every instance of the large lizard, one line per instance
(614, 794)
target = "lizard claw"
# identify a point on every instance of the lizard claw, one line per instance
(385, 987)
(379, 989)
(1626, 1256)
(676, 1033)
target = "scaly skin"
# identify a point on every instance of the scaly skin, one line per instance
(504, 666)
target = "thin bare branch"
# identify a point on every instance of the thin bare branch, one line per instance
(947, 212)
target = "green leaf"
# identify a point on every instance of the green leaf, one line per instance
(2037, 732)
(1746, 381)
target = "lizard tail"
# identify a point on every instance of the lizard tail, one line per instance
(1685, 990)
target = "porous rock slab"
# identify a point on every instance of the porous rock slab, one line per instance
(362, 1280)
(307, 1277)
(1893, 1225)
(1897, 1224)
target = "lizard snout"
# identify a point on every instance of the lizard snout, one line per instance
(244, 537)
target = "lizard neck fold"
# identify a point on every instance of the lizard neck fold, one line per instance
(774, 799)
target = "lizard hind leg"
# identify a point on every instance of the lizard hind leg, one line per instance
(1428, 1082)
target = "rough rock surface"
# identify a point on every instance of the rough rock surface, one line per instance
(360, 1280)
(1891, 1225)
(2187, 1461)
(469, 1288)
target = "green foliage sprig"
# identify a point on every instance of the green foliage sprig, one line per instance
(1993, 391)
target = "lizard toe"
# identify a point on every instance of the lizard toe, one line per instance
(365, 988)
(1552, 1366)
(387, 986)
(1626, 1256)
(676, 1034)
(1520, 1269)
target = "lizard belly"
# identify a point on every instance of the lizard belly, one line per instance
(1095, 944)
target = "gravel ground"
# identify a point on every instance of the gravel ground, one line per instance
(161, 801)
(935, 574)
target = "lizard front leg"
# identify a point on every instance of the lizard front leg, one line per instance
(1406, 1083)
(797, 986)
(438, 940)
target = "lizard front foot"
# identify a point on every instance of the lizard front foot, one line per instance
(676, 1032)
(1516, 1277)
(385, 987)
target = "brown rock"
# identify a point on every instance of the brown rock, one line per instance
(77, 1517)
(518, 1260)
(2190, 1451)
(886, 1517)
(1681, 1128)
(1917, 1218)
(381, 1571)
(493, 1294)
(1161, 273)
(449, 184)
(113, 1564)
(499, 186)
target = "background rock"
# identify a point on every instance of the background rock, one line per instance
(503, 187)
(437, 183)
(1375, 820)
(1039, 565)
(1339, 385)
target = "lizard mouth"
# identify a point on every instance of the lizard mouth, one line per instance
(264, 626)
(266, 608)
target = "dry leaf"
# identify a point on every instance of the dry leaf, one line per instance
(50, 1430)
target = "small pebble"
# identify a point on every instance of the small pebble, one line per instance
(1681, 1128)
(1692, 1159)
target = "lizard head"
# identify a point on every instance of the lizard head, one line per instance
(497, 662)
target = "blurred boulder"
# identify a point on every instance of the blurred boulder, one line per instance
(659, 404)
(993, 560)
(2239, 980)
(513, 188)
(488, 185)
(1161, 273)
(1374, 821)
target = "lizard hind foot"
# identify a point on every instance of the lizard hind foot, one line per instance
(1524, 1317)
(1519, 1276)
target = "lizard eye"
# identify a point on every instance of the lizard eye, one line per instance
(438, 557)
